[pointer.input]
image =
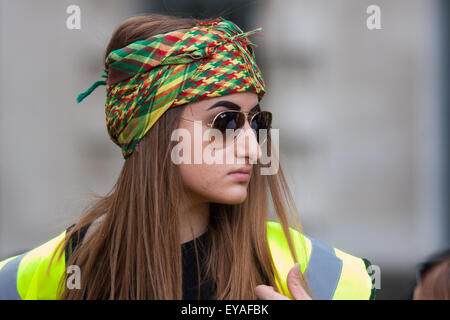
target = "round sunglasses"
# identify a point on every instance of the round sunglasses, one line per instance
(229, 121)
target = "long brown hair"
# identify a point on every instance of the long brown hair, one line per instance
(135, 253)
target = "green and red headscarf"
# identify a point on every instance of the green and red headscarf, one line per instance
(147, 77)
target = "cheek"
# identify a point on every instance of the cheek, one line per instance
(201, 178)
(210, 180)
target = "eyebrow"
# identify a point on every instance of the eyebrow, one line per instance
(230, 105)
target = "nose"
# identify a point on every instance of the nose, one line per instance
(247, 145)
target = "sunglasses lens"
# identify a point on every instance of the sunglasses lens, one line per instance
(225, 124)
(228, 120)
(236, 120)
(262, 120)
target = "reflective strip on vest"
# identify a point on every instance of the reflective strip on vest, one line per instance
(329, 272)
(323, 271)
(25, 276)
(8, 279)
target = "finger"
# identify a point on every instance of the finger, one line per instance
(295, 287)
(264, 292)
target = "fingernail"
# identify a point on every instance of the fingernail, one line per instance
(297, 269)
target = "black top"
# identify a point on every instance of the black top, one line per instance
(190, 275)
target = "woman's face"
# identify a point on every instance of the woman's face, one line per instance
(216, 182)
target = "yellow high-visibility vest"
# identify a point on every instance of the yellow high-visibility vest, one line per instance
(330, 272)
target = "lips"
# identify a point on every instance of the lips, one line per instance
(241, 174)
(246, 170)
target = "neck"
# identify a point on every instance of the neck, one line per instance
(194, 221)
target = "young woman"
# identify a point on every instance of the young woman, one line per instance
(190, 229)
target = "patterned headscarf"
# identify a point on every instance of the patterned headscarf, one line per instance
(147, 77)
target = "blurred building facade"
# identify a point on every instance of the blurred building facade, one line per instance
(358, 112)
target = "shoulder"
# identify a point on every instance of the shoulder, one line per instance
(25, 276)
(34, 274)
(331, 273)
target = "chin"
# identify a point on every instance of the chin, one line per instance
(235, 196)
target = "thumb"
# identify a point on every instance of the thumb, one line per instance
(295, 287)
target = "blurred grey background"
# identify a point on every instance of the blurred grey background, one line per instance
(363, 117)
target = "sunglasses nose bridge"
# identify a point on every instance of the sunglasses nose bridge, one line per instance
(249, 116)
(247, 125)
(246, 120)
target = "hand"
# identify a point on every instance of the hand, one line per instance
(264, 292)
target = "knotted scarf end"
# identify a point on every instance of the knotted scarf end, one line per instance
(83, 95)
